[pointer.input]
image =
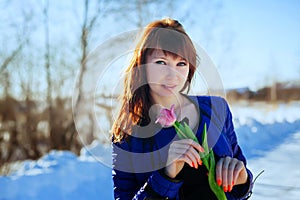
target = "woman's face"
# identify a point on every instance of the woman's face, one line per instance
(166, 73)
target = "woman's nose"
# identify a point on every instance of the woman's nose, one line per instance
(171, 71)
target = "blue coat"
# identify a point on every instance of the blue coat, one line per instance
(138, 159)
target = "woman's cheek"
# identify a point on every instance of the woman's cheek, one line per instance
(153, 73)
(184, 74)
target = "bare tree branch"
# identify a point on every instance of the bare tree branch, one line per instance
(11, 57)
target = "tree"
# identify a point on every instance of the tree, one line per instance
(91, 18)
(12, 112)
(21, 34)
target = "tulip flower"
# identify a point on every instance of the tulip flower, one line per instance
(168, 117)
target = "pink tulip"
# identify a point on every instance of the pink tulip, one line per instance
(167, 117)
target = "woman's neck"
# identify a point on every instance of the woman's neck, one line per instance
(167, 102)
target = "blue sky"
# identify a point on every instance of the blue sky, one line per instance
(252, 43)
(266, 44)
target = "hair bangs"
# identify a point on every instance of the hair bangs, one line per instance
(171, 42)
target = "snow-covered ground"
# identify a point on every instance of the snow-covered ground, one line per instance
(58, 175)
(281, 175)
(270, 137)
(268, 134)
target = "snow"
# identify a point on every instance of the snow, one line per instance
(281, 176)
(58, 175)
(269, 135)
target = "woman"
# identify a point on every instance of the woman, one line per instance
(150, 162)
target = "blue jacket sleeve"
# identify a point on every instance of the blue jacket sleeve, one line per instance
(243, 191)
(138, 186)
(125, 184)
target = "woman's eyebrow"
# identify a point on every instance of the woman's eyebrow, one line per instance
(181, 59)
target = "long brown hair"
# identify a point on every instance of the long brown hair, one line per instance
(169, 36)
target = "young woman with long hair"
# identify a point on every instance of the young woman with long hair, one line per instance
(150, 161)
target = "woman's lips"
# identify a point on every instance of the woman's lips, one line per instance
(170, 87)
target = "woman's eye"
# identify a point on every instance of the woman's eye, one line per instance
(160, 62)
(181, 64)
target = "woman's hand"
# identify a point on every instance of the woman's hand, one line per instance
(181, 151)
(230, 172)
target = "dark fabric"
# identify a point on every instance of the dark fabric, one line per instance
(195, 184)
(138, 160)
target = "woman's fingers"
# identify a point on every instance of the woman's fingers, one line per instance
(190, 154)
(187, 160)
(222, 172)
(180, 152)
(228, 172)
(190, 142)
(231, 173)
(240, 175)
(186, 150)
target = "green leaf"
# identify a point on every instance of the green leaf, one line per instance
(180, 130)
(180, 126)
(204, 140)
(205, 157)
(189, 132)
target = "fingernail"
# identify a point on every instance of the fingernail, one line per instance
(193, 164)
(232, 183)
(219, 182)
(202, 150)
(200, 162)
(225, 189)
(229, 188)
